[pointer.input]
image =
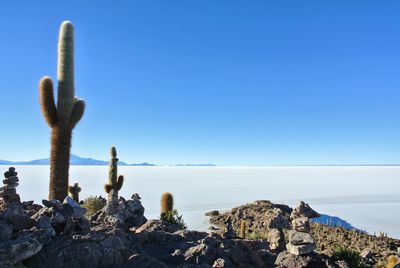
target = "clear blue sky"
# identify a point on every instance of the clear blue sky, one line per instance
(224, 82)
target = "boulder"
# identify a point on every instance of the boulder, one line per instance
(304, 210)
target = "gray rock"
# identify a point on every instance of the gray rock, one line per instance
(276, 239)
(366, 253)
(43, 222)
(78, 211)
(6, 230)
(54, 203)
(300, 249)
(301, 224)
(219, 263)
(276, 220)
(299, 238)
(22, 249)
(304, 210)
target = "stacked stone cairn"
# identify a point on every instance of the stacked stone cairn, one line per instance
(301, 241)
(275, 224)
(229, 233)
(8, 193)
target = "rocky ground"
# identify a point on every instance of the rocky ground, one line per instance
(56, 234)
(260, 215)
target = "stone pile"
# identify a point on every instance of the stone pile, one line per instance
(127, 213)
(64, 218)
(301, 241)
(228, 233)
(275, 223)
(8, 193)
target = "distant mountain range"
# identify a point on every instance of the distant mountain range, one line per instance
(80, 161)
(74, 160)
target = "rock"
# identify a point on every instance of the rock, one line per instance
(43, 222)
(229, 233)
(304, 210)
(366, 253)
(212, 213)
(299, 238)
(287, 260)
(22, 249)
(219, 263)
(156, 225)
(139, 261)
(78, 211)
(6, 230)
(21, 222)
(301, 224)
(276, 239)
(300, 249)
(54, 203)
(276, 220)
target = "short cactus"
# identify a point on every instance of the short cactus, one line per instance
(63, 117)
(74, 191)
(114, 181)
(243, 229)
(167, 203)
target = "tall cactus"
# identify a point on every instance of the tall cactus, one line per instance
(63, 117)
(114, 181)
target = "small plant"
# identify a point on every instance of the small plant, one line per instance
(74, 191)
(168, 213)
(94, 204)
(352, 257)
(258, 234)
(174, 218)
(242, 229)
(114, 181)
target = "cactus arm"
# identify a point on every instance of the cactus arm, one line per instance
(120, 181)
(46, 98)
(77, 111)
(65, 72)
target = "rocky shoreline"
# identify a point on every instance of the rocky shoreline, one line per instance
(57, 234)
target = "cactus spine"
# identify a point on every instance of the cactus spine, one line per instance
(167, 203)
(114, 181)
(243, 229)
(74, 191)
(63, 117)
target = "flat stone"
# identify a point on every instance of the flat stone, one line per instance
(10, 180)
(300, 238)
(300, 249)
(54, 203)
(301, 224)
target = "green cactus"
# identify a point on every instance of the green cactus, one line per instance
(167, 203)
(74, 191)
(243, 229)
(114, 181)
(63, 117)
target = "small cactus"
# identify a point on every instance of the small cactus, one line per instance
(114, 181)
(74, 191)
(63, 117)
(243, 229)
(167, 203)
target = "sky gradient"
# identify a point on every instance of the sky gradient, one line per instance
(223, 82)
